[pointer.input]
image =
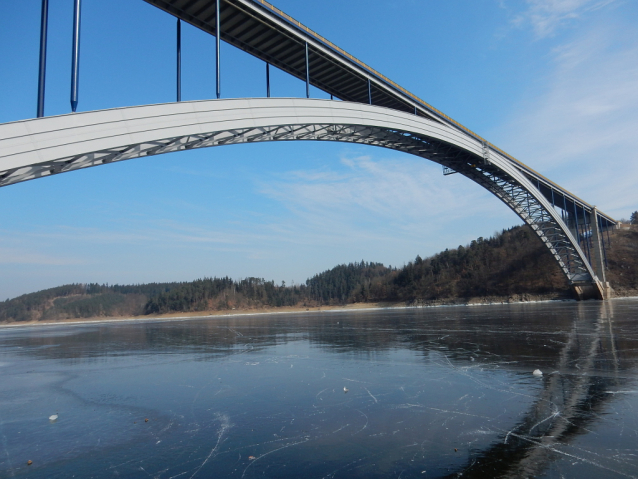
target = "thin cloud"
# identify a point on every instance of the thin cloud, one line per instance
(545, 17)
(382, 208)
(22, 257)
(404, 194)
(581, 131)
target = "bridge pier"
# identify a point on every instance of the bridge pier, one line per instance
(599, 288)
(593, 290)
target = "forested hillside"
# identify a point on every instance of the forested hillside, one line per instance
(622, 260)
(340, 285)
(513, 262)
(510, 265)
(81, 301)
(223, 293)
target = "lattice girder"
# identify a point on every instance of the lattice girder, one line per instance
(525, 200)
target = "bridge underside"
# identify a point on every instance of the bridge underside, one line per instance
(168, 128)
(269, 34)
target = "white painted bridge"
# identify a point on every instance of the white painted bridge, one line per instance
(372, 110)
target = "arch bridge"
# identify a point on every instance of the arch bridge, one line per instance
(365, 107)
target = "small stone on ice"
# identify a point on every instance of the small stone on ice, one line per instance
(537, 372)
(53, 417)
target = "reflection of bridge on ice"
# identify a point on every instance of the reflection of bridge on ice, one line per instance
(575, 392)
(374, 110)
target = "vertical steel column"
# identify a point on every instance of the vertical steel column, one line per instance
(331, 97)
(44, 23)
(218, 33)
(369, 93)
(553, 205)
(415, 112)
(179, 60)
(600, 223)
(566, 219)
(75, 60)
(576, 220)
(587, 240)
(268, 79)
(597, 254)
(307, 73)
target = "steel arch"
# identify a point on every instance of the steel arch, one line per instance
(41, 147)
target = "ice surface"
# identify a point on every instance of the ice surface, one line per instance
(437, 392)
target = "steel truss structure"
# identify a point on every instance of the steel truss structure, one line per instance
(512, 189)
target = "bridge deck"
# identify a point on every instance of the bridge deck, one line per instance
(264, 31)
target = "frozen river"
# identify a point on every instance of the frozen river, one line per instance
(438, 392)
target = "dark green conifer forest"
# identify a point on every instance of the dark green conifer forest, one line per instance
(511, 265)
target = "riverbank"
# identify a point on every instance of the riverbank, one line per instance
(212, 314)
(492, 300)
(511, 267)
(483, 301)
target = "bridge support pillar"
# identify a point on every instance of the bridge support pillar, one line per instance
(598, 256)
(75, 60)
(593, 290)
(218, 39)
(268, 79)
(597, 246)
(44, 22)
(179, 60)
(599, 288)
(307, 72)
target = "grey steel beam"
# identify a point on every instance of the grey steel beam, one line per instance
(598, 245)
(307, 73)
(179, 59)
(44, 22)
(233, 23)
(75, 56)
(268, 41)
(267, 80)
(218, 38)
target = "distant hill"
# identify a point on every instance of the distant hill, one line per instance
(511, 265)
(81, 301)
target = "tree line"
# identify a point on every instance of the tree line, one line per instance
(512, 262)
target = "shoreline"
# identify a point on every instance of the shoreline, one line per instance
(353, 307)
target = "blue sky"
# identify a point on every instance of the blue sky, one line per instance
(553, 82)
